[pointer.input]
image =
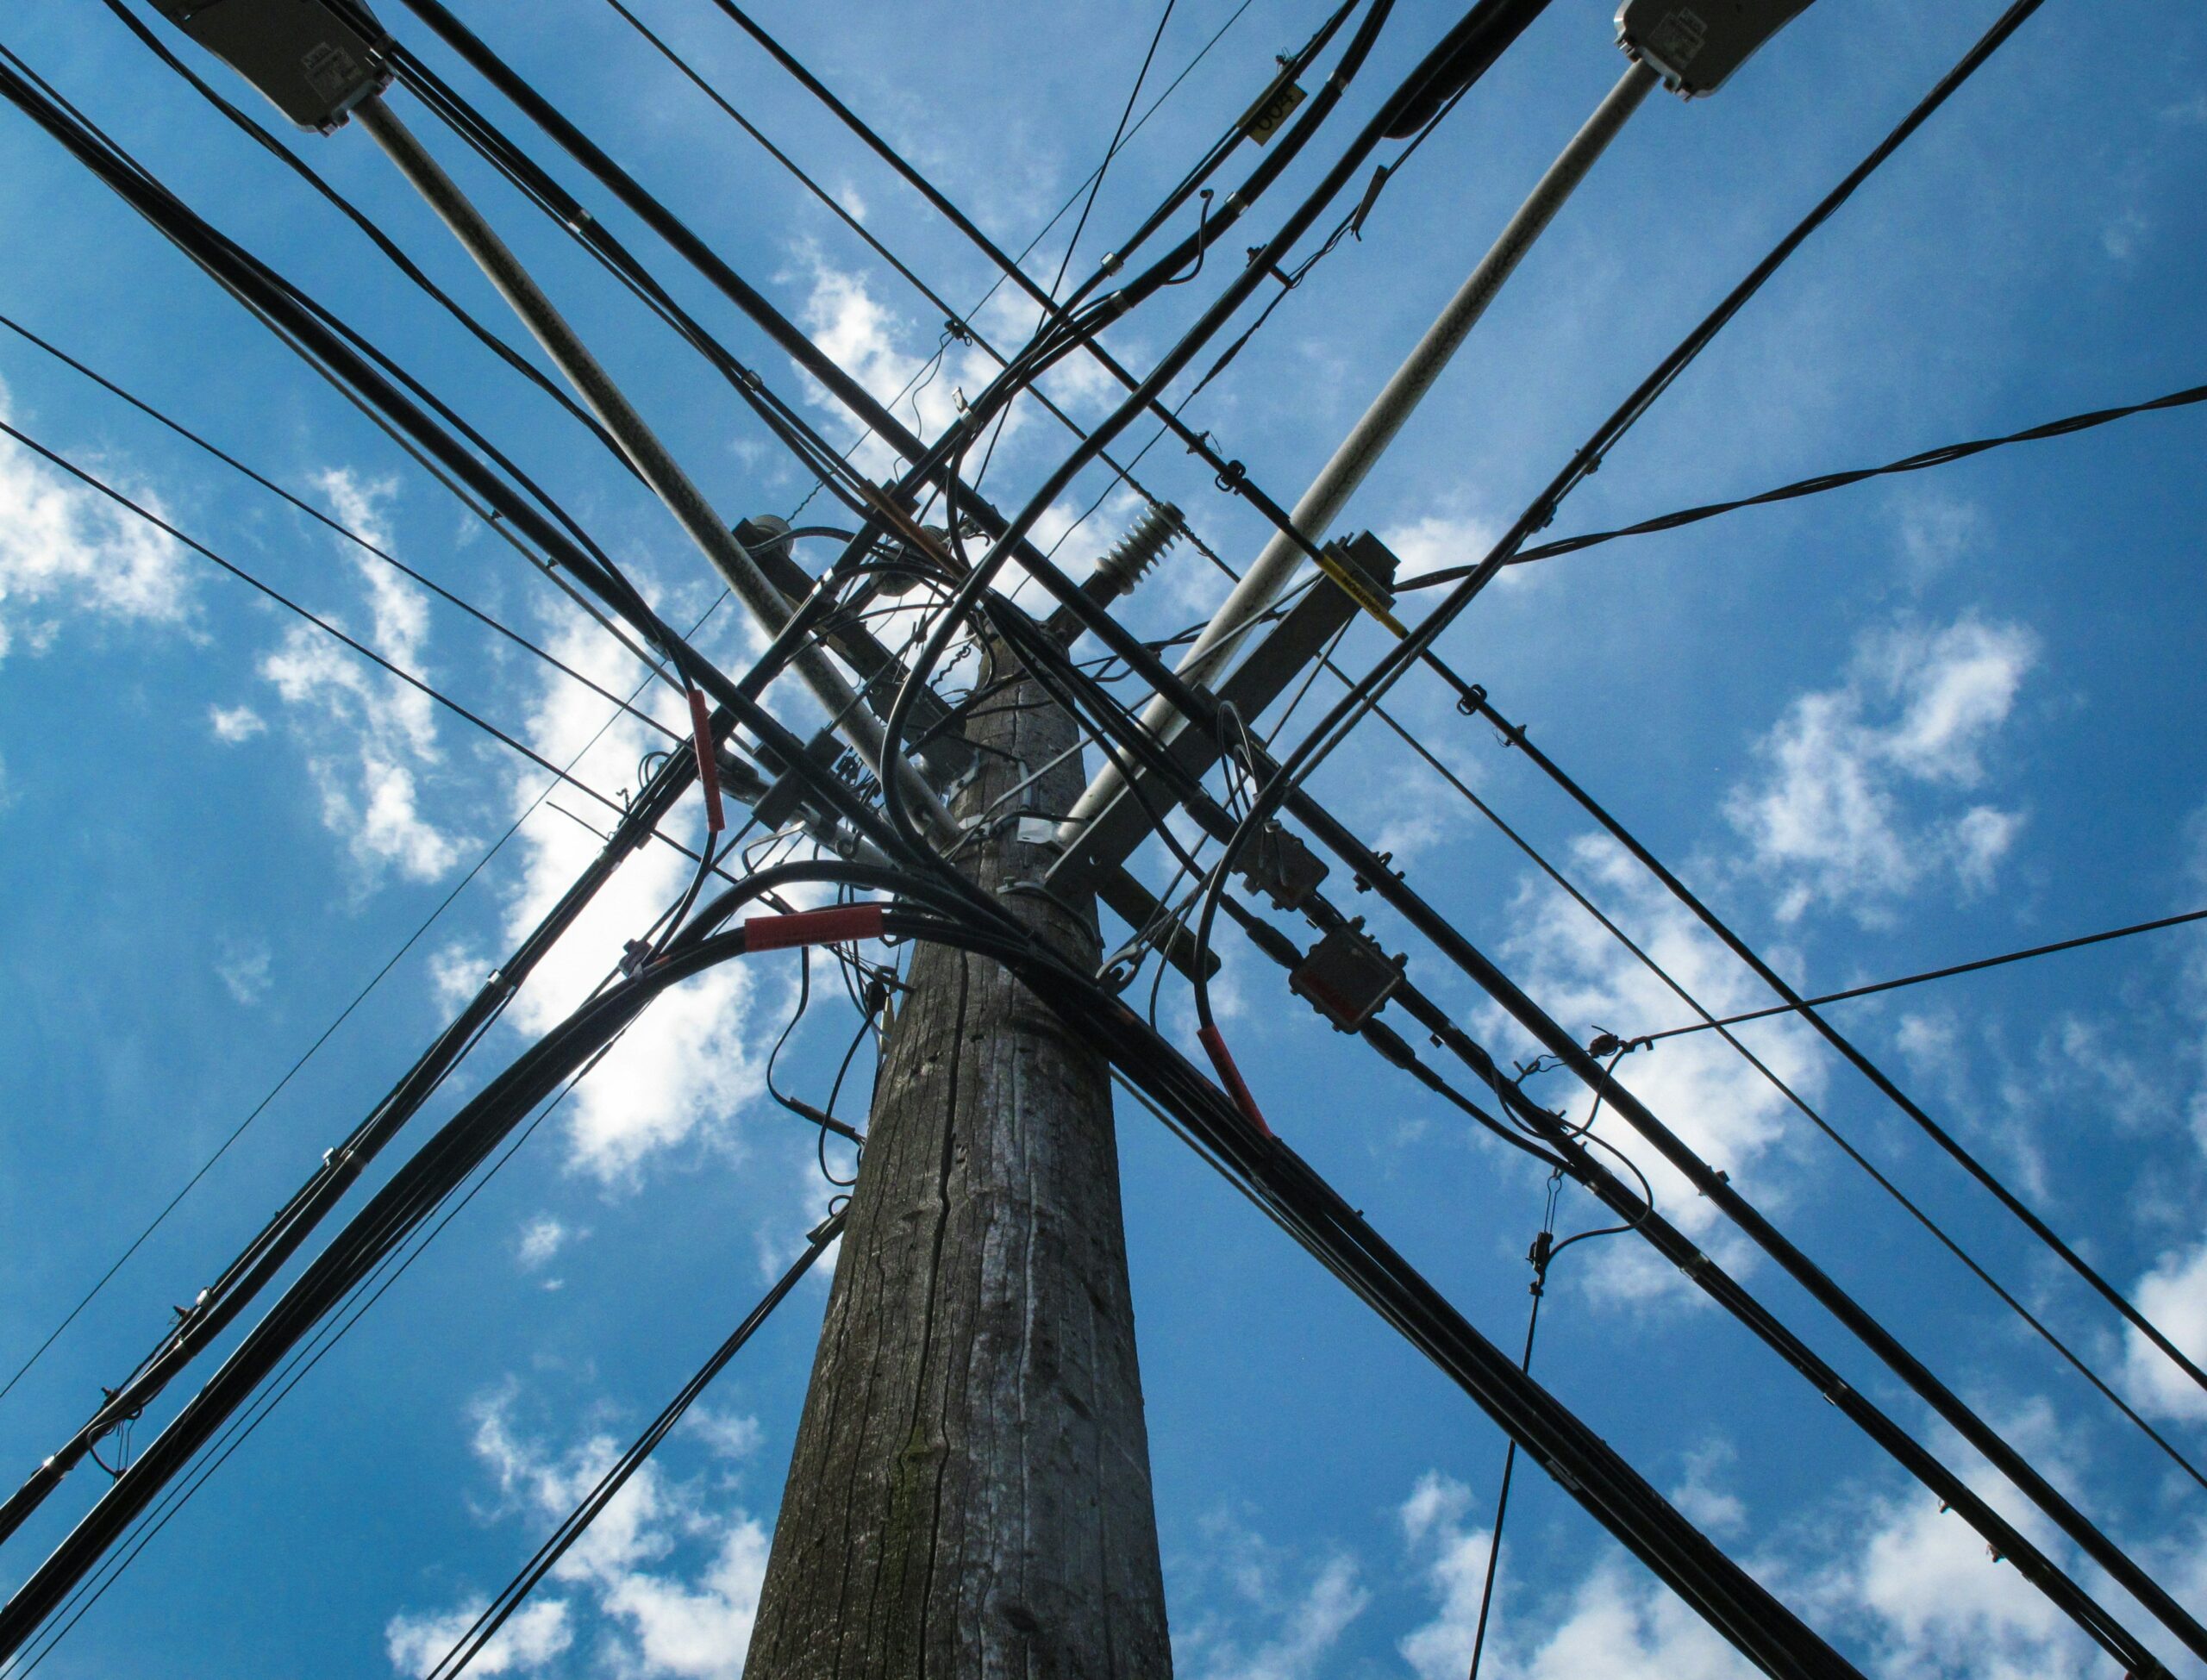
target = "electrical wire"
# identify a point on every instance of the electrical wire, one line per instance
(331, 523)
(572, 1527)
(1947, 974)
(92, 481)
(1944, 455)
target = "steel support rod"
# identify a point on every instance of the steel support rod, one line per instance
(1282, 557)
(651, 457)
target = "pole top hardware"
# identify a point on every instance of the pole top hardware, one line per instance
(1346, 976)
(309, 59)
(1279, 865)
(1695, 47)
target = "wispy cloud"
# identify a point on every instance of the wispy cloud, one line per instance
(2173, 1296)
(687, 1068)
(233, 724)
(1262, 1612)
(65, 550)
(531, 1638)
(369, 739)
(243, 969)
(669, 1579)
(1856, 805)
(1698, 1085)
(1452, 1553)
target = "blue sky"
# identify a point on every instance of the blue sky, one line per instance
(1898, 726)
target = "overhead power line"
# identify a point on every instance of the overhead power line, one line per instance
(92, 481)
(1947, 974)
(337, 526)
(572, 1527)
(1941, 456)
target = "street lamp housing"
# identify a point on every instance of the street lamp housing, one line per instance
(1696, 47)
(315, 61)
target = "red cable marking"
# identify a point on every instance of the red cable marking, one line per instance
(708, 772)
(1230, 1077)
(829, 926)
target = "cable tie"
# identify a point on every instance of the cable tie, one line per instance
(832, 926)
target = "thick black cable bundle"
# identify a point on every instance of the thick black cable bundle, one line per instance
(1617, 1496)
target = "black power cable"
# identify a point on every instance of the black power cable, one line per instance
(383, 242)
(92, 481)
(1973, 967)
(1900, 1197)
(1944, 455)
(309, 327)
(1742, 1610)
(325, 520)
(1953, 1147)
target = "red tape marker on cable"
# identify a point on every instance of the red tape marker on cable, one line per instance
(708, 772)
(1230, 1077)
(829, 927)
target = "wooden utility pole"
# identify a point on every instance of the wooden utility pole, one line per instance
(969, 1494)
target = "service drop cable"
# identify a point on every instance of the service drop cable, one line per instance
(1947, 974)
(1946, 453)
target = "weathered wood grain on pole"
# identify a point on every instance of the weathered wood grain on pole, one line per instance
(969, 1494)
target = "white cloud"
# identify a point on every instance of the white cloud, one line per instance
(539, 1242)
(1935, 530)
(687, 1067)
(1623, 1626)
(1904, 1588)
(370, 737)
(1709, 1506)
(530, 1638)
(1829, 819)
(1254, 1622)
(243, 969)
(66, 548)
(1453, 1555)
(1934, 1603)
(1697, 1085)
(2174, 1297)
(1442, 540)
(726, 1434)
(626, 1570)
(233, 724)
(885, 353)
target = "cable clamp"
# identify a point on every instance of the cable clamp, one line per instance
(1230, 476)
(958, 330)
(633, 955)
(1472, 699)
